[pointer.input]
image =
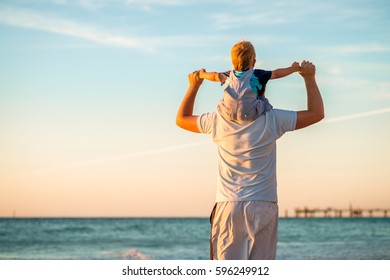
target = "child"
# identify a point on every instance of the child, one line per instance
(243, 99)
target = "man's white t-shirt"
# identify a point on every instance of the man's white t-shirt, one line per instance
(247, 154)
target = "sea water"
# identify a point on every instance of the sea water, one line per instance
(184, 238)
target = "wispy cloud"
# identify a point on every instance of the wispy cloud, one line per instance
(145, 5)
(31, 19)
(34, 20)
(118, 2)
(281, 12)
(353, 86)
(155, 2)
(113, 159)
(357, 48)
(224, 21)
(357, 115)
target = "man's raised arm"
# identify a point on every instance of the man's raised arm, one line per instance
(185, 118)
(315, 106)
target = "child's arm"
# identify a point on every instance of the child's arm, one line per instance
(210, 76)
(213, 76)
(283, 72)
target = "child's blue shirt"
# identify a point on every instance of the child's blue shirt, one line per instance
(258, 80)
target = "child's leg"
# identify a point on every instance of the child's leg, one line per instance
(266, 103)
(260, 109)
(226, 112)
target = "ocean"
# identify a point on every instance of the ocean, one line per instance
(184, 238)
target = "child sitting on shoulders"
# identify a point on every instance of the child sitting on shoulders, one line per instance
(243, 99)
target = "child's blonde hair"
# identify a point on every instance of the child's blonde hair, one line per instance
(243, 55)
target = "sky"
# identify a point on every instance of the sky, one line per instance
(89, 91)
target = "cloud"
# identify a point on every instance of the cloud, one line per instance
(59, 1)
(154, 2)
(34, 20)
(145, 5)
(224, 21)
(31, 19)
(352, 78)
(357, 115)
(281, 12)
(112, 159)
(348, 87)
(357, 49)
(132, 155)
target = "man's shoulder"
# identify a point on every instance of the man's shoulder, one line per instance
(284, 119)
(206, 122)
(281, 112)
(208, 115)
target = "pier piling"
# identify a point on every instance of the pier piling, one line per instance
(339, 213)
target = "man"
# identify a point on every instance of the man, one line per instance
(245, 218)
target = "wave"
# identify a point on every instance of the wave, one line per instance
(134, 254)
(70, 229)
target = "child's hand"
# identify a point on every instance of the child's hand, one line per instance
(295, 66)
(222, 78)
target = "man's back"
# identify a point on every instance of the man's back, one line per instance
(247, 154)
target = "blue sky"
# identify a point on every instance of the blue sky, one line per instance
(89, 91)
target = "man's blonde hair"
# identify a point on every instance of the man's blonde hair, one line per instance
(243, 55)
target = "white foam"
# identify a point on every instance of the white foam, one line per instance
(134, 254)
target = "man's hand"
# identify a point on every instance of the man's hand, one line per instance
(194, 78)
(185, 117)
(315, 106)
(308, 69)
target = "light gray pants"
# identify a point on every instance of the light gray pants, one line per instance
(244, 230)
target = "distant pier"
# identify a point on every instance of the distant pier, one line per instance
(340, 213)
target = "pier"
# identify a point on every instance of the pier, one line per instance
(339, 213)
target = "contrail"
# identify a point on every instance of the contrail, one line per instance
(136, 154)
(357, 116)
(114, 158)
(181, 147)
